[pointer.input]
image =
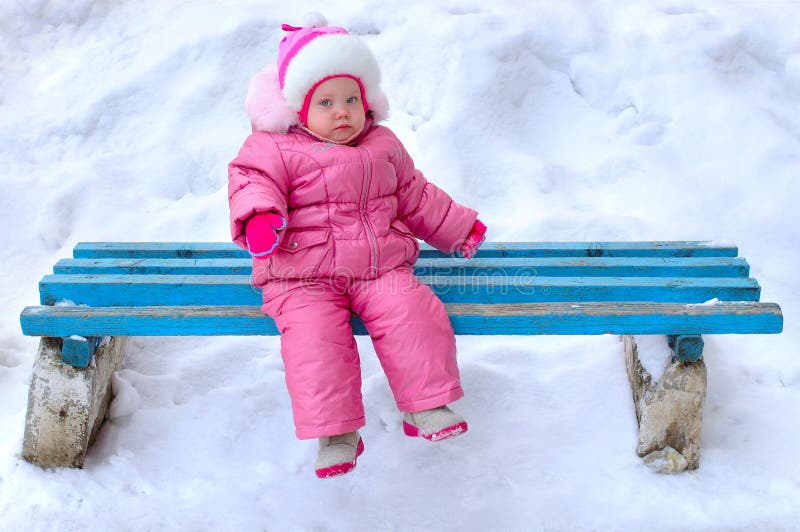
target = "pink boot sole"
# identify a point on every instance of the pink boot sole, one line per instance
(447, 432)
(341, 469)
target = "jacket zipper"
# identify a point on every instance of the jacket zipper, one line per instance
(363, 208)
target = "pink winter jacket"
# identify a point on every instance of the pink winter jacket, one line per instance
(352, 211)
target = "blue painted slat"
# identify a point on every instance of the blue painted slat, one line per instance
(137, 290)
(488, 249)
(546, 267)
(107, 266)
(587, 267)
(149, 250)
(523, 319)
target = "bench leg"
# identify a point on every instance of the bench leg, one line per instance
(669, 411)
(66, 404)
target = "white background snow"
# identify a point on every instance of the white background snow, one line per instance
(569, 120)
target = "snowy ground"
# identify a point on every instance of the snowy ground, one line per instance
(575, 120)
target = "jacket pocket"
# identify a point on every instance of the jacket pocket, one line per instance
(300, 253)
(297, 240)
(401, 230)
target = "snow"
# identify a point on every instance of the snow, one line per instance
(654, 353)
(571, 120)
(710, 303)
(126, 398)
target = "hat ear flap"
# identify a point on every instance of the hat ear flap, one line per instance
(379, 105)
(266, 105)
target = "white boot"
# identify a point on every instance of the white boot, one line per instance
(435, 424)
(337, 454)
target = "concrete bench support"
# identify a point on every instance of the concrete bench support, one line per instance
(66, 404)
(669, 411)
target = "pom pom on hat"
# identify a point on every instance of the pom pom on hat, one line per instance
(314, 18)
(307, 55)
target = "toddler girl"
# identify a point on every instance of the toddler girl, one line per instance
(329, 205)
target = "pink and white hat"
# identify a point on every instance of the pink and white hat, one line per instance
(279, 95)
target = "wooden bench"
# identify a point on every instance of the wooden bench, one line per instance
(108, 291)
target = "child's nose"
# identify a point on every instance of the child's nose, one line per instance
(341, 111)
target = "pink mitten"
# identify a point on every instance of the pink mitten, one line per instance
(261, 232)
(474, 240)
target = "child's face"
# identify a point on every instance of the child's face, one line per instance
(336, 111)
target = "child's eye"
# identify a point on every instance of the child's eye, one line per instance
(325, 103)
(352, 99)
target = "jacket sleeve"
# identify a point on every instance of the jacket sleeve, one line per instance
(257, 182)
(427, 210)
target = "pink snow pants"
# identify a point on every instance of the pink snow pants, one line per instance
(410, 331)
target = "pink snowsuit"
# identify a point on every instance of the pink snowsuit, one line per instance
(353, 215)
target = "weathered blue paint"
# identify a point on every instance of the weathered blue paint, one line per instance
(495, 267)
(524, 319)
(488, 249)
(686, 347)
(154, 266)
(137, 290)
(586, 267)
(78, 350)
